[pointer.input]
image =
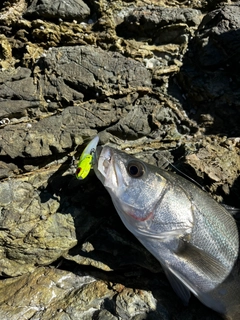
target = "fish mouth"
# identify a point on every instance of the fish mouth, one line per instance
(106, 168)
(103, 157)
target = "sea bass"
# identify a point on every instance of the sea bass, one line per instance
(193, 237)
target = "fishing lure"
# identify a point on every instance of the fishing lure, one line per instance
(85, 162)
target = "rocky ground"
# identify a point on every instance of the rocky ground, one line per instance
(153, 78)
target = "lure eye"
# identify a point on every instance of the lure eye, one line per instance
(135, 169)
(77, 171)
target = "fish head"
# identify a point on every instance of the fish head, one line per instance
(133, 186)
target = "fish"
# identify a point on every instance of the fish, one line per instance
(85, 162)
(194, 238)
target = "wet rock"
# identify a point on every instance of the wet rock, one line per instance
(59, 9)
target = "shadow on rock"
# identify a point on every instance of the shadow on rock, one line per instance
(209, 76)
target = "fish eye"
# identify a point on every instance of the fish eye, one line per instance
(135, 169)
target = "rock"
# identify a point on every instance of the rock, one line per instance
(7, 169)
(94, 72)
(18, 92)
(150, 22)
(32, 232)
(59, 9)
(148, 80)
(97, 73)
(50, 293)
(144, 119)
(210, 73)
(218, 30)
(12, 11)
(6, 52)
(33, 295)
(157, 35)
(104, 314)
(210, 159)
(130, 303)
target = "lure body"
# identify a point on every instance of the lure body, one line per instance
(85, 162)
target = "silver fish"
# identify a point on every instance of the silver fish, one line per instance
(193, 237)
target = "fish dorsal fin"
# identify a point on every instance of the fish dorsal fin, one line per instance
(180, 289)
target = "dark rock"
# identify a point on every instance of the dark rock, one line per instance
(95, 72)
(144, 119)
(153, 21)
(69, 70)
(218, 39)
(210, 72)
(64, 9)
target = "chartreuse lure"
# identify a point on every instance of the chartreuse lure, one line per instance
(86, 160)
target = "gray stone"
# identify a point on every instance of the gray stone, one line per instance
(65, 9)
(150, 21)
(131, 302)
(94, 72)
(105, 315)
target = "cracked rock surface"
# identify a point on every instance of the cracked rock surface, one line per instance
(157, 80)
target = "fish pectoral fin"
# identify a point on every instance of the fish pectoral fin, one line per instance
(180, 289)
(204, 263)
